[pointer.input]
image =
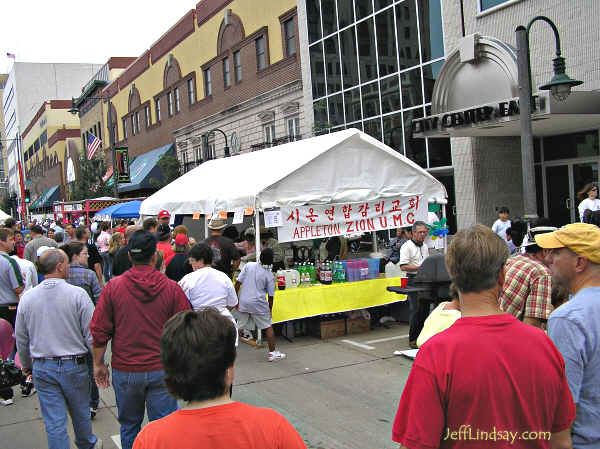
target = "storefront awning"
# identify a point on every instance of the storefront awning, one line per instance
(47, 198)
(145, 168)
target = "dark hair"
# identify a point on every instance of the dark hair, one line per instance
(104, 226)
(559, 294)
(160, 258)
(149, 223)
(518, 229)
(202, 251)
(73, 249)
(5, 233)
(196, 349)
(416, 224)
(10, 222)
(80, 232)
(37, 229)
(503, 210)
(452, 291)
(583, 193)
(266, 256)
(231, 232)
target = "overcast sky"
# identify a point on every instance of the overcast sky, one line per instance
(83, 30)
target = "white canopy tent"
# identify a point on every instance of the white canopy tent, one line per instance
(3, 215)
(346, 166)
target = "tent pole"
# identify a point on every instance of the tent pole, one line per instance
(374, 235)
(205, 227)
(257, 233)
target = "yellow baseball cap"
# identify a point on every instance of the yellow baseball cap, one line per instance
(581, 238)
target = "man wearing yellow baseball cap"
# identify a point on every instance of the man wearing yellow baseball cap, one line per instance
(574, 327)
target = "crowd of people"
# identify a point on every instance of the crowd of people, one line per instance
(523, 301)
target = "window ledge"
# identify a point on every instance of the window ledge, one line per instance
(495, 8)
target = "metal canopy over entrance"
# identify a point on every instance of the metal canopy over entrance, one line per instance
(476, 95)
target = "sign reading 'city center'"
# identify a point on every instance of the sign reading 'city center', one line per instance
(327, 220)
(473, 116)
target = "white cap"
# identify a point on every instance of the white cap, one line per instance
(42, 249)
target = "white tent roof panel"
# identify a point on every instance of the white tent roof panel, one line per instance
(346, 166)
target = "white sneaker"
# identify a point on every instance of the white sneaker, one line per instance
(275, 355)
(6, 402)
(99, 444)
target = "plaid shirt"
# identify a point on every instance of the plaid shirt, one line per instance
(527, 283)
(85, 278)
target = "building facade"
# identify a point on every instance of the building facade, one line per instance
(231, 65)
(48, 142)
(371, 65)
(3, 144)
(345, 48)
(29, 85)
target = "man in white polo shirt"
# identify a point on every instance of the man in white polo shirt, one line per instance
(412, 255)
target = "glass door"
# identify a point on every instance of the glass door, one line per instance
(558, 194)
(583, 174)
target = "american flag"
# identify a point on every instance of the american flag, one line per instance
(11, 55)
(93, 145)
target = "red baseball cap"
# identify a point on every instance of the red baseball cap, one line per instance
(164, 213)
(181, 240)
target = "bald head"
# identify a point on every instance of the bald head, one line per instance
(54, 263)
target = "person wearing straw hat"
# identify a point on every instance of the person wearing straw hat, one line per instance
(226, 257)
(574, 327)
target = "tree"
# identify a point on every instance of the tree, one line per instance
(321, 125)
(89, 183)
(170, 169)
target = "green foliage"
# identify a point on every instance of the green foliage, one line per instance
(88, 183)
(170, 169)
(321, 125)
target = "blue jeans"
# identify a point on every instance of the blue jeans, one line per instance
(94, 393)
(135, 392)
(64, 385)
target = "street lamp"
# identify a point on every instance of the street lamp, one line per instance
(111, 138)
(224, 135)
(560, 87)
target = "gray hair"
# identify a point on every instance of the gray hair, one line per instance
(475, 257)
(416, 224)
(50, 259)
(59, 237)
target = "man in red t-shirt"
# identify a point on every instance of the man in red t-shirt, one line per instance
(488, 380)
(132, 311)
(198, 352)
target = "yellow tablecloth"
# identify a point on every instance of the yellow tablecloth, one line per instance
(302, 302)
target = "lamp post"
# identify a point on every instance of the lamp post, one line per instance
(560, 87)
(111, 138)
(224, 136)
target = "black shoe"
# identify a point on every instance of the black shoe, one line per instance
(27, 389)
(93, 412)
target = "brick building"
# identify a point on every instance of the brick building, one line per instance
(231, 65)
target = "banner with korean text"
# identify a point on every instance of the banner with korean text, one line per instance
(326, 220)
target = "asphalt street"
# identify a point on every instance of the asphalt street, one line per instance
(338, 393)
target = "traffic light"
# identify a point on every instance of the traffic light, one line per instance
(27, 196)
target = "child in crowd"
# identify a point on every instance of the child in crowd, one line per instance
(254, 283)
(502, 223)
(442, 317)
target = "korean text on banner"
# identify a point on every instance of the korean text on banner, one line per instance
(322, 220)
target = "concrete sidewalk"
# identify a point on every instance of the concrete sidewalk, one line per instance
(337, 394)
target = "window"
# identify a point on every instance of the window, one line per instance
(147, 113)
(207, 83)
(100, 131)
(191, 93)
(170, 103)
(269, 133)
(226, 74)
(198, 152)
(488, 4)
(237, 66)
(290, 37)
(124, 129)
(43, 138)
(293, 127)
(133, 132)
(137, 122)
(177, 103)
(157, 102)
(260, 53)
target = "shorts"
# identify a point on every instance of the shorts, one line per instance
(249, 321)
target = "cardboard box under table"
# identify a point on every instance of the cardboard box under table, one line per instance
(304, 302)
